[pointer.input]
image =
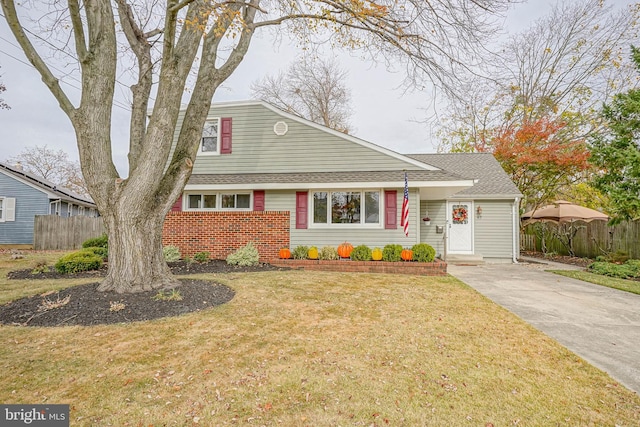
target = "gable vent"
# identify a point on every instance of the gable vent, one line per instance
(280, 128)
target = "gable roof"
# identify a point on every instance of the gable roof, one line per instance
(47, 187)
(492, 180)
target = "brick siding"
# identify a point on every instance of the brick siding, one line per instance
(435, 268)
(222, 233)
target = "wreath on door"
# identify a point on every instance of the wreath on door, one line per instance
(460, 214)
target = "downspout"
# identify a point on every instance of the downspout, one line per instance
(417, 217)
(516, 229)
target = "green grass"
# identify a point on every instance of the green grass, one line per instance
(297, 348)
(610, 282)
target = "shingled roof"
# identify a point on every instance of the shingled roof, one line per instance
(54, 190)
(303, 178)
(493, 181)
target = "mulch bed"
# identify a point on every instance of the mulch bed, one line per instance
(178, 268)
(564, 259)
(86, 306)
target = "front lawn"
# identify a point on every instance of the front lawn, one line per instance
(298, 348)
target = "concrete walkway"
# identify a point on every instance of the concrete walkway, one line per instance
(599, 324)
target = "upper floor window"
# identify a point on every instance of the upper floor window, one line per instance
(210, 142)
(346, 207)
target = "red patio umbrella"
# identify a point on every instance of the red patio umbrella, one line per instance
(562, 211)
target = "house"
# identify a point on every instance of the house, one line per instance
(24, 195)
(265, 175)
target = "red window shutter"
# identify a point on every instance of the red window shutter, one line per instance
(390, 209)
(258, 200)
(225, 135)
(302, 202)
(177, 206)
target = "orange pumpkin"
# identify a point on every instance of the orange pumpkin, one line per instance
(406, 254)
(344, 250)
(284, 253)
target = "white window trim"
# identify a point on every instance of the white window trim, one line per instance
(54, 208)
(218, 194)
(8, 212)
(361, 225)
(219, 141)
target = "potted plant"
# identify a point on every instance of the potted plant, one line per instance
(426, 220)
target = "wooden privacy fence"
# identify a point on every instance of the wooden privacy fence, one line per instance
(51, 232)
(591, 240)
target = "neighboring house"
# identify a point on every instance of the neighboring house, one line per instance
(332, 187)
(24, 195)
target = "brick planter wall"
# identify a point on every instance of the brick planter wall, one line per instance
(435, 268)
(222, 233)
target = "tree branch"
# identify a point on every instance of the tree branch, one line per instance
(48, 78)
(141, 90)
(78, 32)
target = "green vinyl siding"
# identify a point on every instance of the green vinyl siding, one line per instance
(437, 211)
(333, 236)
(494, 229)
(304, 148)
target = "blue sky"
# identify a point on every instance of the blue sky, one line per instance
(383, 113)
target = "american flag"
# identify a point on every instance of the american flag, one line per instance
(404, 219)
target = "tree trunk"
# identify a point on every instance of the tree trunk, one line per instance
(136, 260)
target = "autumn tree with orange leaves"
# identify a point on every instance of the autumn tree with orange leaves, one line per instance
(540, 158)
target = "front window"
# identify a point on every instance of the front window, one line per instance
(346, 207)
(202, 201)
(236, 201)
(210, 137)
(216, 201)
(1, 209)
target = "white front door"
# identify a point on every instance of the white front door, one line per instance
(459, 220)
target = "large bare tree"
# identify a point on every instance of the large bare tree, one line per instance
(313, 88)
(564, 67)
(52, 165)
(174, 42)
(554, 75)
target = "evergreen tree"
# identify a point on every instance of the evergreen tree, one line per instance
(616, 152)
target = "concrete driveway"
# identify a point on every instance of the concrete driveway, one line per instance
(599, 324)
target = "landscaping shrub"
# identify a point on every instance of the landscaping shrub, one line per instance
(201, 256)
(618, 257)
(245, 256)
(300, 252)
(100, 251)
(423, 252)
(391, 253)
(628, 270)
(328, 253)
(82, 260)
(361, 253)
(171, 253)
(96, 242)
